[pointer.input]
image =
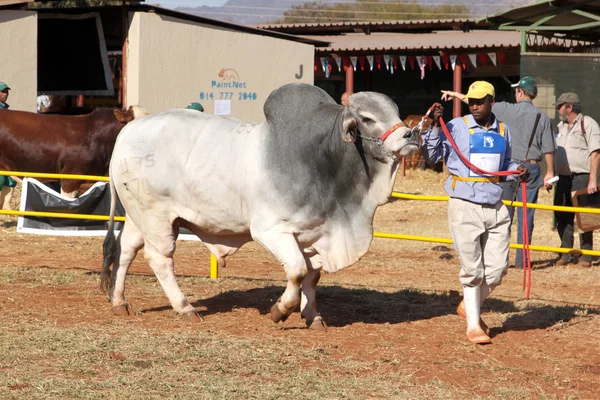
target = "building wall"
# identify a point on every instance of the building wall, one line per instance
(172, 62)
(18, 60)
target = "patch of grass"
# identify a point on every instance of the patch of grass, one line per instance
(40, 277)
(40, 360)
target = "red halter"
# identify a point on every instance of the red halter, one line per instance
(391, 130)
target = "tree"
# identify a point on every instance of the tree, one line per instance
(72, 4)
(370, 10)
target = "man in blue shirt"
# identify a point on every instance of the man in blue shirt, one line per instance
(478, 220)
(520, 117)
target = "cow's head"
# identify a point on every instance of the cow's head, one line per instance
(372, 117)
(132, 113)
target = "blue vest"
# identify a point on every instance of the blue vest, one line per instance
(486, 149)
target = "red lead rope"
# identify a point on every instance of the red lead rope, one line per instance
(474, 168)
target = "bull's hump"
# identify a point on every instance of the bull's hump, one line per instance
(295, 101)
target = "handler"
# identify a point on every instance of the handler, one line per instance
(479, 222)
(520, 118)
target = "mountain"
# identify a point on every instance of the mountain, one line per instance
(252, 12)
(244, 12)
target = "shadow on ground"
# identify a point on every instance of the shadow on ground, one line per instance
(9, 224)
(341, 306)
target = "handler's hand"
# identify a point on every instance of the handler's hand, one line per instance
(524, 172)
(438, 112)
(547, 185)
(592, 187)
(448, 95)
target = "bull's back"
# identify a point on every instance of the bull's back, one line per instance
(194, 165)
(41, 143)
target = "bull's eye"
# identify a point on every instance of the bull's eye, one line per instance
(367, 120)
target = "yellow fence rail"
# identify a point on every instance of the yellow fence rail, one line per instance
(55, 176)
(214, 269)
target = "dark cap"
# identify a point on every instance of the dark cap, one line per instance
(568, 98)
(3, 87)
(195, 106)
(527, 83)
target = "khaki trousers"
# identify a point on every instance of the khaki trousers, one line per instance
(481, 237)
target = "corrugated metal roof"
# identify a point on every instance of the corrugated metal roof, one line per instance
(443, 40)
(576, 19)
(360, 23)
(375, 26)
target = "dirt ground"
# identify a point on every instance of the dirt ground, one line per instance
(394, 308)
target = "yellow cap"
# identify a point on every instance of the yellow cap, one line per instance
(480, 89)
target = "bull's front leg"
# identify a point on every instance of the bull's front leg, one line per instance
(308, 304)
(285, 248)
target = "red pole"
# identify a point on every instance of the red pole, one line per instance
(456, 110)
(349, 80)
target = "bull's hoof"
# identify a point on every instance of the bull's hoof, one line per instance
(122, 309)
(277, 315)
(192, 316)
(318, 325)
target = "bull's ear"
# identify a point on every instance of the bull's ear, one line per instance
(123, 116)
(349, 127)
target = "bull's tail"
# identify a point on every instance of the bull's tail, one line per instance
(109, 248)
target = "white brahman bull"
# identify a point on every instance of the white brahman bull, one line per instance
(305, 184)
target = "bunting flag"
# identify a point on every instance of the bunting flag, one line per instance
(463, 61)
(316, 63)
(482, 59)
(473, 58)
(390, 61)
(422, 63)
(361, 62)
(338, 61)
(446, 61)
(403, 62)
(411, 61)
(370, 60)
(453, 60)
(386, 61)
(437, 62)
(501, 57)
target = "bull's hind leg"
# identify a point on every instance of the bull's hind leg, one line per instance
(130, 241)
(159, 246)
(285, 248)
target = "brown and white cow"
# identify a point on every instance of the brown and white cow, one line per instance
(83, 144)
